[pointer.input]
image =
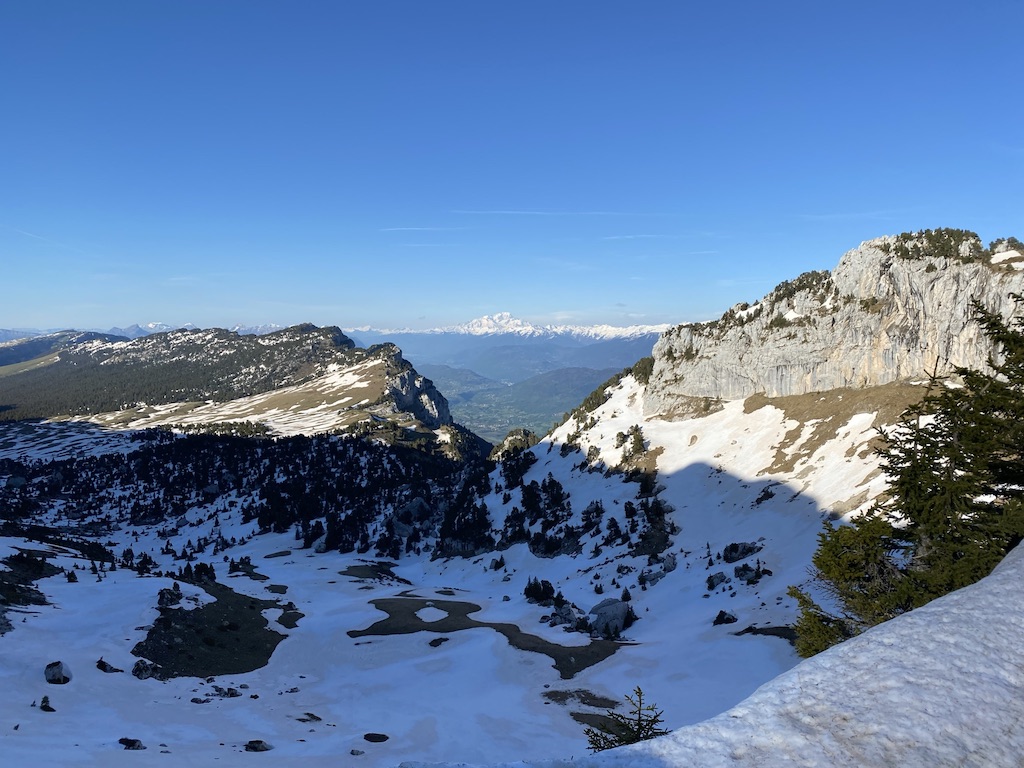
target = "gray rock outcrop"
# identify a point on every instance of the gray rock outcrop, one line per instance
(894, 309)
(144, 670)
(57, 673)
(609, 617)
(409, 392)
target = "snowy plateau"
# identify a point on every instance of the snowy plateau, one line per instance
(423, 660)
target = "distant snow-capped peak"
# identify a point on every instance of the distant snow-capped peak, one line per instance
(505, 323)
(502, 322)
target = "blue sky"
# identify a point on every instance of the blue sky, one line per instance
(422, 163)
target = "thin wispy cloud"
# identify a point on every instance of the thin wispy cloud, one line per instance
(45, 239)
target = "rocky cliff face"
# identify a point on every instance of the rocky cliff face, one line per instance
(894, 309)
(410, 392)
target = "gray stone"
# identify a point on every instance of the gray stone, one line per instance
(257, 745)
(740, 550)
(609, 617)
(57, 673)
(145, 670)
(715, 580)
(563, 615)
(106, 666)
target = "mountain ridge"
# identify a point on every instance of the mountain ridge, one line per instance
(894, 309)
(693, 520)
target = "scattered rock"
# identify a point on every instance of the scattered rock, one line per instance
(309, 717)
(437, 641)
(724, 617)
(740, 550)
(669, 563)
(144, 670)
(563, 615)
(716, 579)
(257, 745)
(375, 738)
(131, 743)
(356, 752)
(106, 666)
(168, 597)
(609, 617)
(57, 673)
(44, 705)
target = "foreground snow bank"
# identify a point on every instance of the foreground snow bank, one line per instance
(941, 686)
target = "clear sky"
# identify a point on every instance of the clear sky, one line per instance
(423, 163)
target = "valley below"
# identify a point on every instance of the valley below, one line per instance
(215, 545)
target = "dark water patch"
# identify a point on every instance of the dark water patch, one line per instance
(786, 633)
(583, 696)
(290, 619)
(377, 571)
(402, 619)
(225, 637)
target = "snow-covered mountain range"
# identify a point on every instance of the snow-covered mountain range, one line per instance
(666, 516)
(504, 323)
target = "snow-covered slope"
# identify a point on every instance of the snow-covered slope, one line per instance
(763, 477)
(940, 686)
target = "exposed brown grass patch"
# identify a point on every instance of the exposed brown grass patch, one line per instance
(824, 413)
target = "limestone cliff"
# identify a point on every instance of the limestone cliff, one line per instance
(895, 308)
(409, 392)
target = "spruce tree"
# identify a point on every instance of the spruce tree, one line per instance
(640, 724)
(955, 506)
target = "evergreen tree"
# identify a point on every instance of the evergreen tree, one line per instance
(640, 724)
(955, 506)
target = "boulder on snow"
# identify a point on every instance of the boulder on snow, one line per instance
(106, 666)
(740, 550)
(167, 597)
(57, 673)
(257, 745)
(724, 617)
(564, 614)
(131, 743)
(144, 670)
(609, 617)
(715, 580)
